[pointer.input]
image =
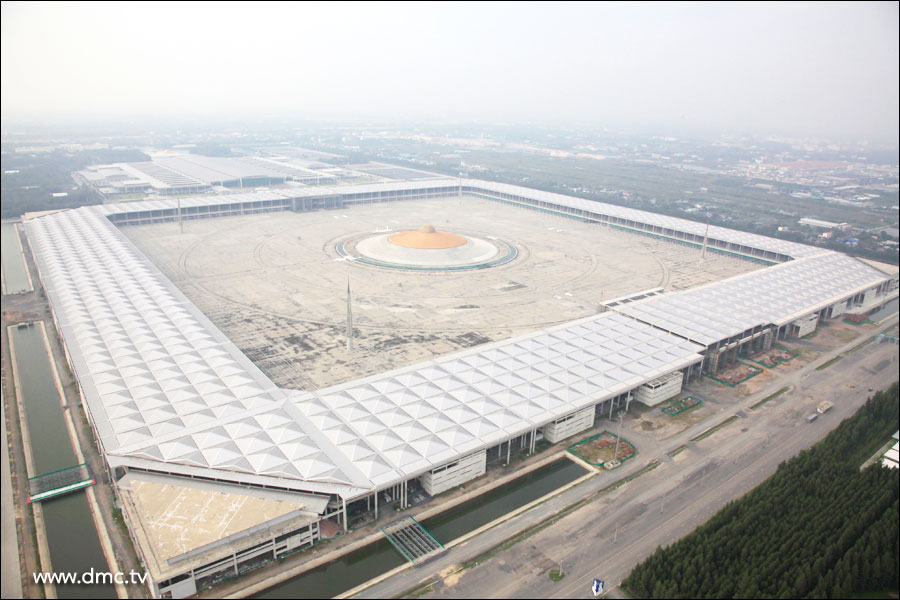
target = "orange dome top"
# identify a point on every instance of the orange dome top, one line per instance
(427, 238)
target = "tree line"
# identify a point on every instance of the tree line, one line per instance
(818, 528)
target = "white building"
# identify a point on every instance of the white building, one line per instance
(172, 401)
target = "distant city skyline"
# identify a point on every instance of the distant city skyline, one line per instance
(807, 69)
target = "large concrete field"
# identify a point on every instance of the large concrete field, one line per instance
(275, 286)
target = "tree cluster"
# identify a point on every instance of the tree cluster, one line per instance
(818, 528)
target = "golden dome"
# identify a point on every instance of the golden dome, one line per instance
(426, 238)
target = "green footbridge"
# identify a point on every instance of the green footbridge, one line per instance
(58, 483)
(412, 540)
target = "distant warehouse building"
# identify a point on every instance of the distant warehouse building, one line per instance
(196, 174)
(822, 224)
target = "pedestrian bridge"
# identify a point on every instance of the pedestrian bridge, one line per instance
(57, 483)
(412, 540)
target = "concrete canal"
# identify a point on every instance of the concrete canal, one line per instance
(360, 566)
(15, 277)
(73, 541)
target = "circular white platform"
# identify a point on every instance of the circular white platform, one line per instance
(476, 252)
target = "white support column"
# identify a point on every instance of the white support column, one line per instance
(376, 504)
(344, 502)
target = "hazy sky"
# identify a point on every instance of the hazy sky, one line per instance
(804, 69)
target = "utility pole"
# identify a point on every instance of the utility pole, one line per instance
(705, 240)
(618, 435)
(349, 319)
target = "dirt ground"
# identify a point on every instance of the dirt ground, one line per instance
(663, 426)
(602, 449)
(772, 357)
(736, 373)
(681, 405)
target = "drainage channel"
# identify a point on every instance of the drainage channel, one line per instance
(360, 566)
(15, 277)
(885, 311)
(71, 534)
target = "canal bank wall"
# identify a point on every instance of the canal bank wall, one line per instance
(73, 522)
(93, 505)
(36, 509)
(16, 278)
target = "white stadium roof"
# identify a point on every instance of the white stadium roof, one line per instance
(167, 391)
(170, 204)
(740, 238)
(776, 295)
(396, 425)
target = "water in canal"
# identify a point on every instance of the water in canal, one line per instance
(885, 311)
(362, 565)
(74, 543)
(13, 263)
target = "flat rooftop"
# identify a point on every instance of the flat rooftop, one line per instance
(180, 515)
(394, 172)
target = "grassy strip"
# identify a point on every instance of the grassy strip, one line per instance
(824, 366)
(677, 450)
(426, 587)
(770, 397)
(840, 356)
(712, 430)
(35, 548)
(858, 346)
(551, 520)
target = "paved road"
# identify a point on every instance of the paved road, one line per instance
(608, 537)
